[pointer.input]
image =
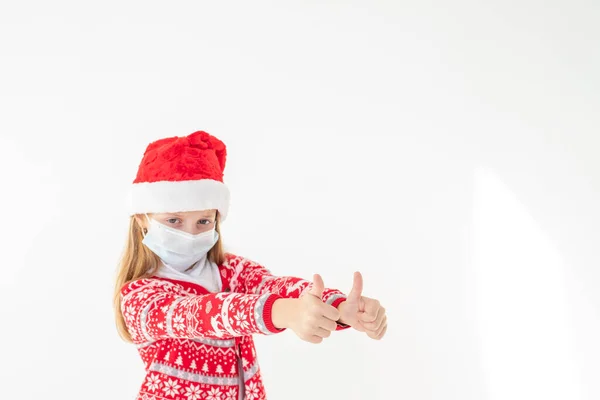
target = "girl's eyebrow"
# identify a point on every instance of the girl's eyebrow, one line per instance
(206, 214)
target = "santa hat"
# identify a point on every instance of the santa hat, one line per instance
(180, 174)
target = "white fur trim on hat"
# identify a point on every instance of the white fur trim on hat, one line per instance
(179, 196)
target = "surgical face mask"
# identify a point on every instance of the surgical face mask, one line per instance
(176, 248)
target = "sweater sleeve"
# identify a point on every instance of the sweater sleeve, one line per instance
(253, 278)
(155, 309)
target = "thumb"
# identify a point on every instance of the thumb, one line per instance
(318, 286)
(357, 288)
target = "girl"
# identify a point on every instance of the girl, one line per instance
(191, 308)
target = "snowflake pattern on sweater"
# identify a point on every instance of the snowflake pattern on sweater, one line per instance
(190, 340)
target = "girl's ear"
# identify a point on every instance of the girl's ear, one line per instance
(141, 221)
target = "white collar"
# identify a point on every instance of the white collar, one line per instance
(204, 273)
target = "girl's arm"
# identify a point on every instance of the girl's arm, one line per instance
(155, 309)
(252, 278)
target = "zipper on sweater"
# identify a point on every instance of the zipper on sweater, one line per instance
(238, 351)
(240, 366)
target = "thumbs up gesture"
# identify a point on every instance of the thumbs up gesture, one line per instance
(309, 317)
(362, 313)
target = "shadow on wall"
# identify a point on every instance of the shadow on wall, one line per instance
(526, 340)
(551, 179)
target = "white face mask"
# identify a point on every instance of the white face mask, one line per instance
(176, 248)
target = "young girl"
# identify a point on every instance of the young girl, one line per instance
(191, 308)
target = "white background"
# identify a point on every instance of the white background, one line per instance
(448, 150)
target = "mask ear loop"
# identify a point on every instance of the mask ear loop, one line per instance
(216, 220)
(145, 230)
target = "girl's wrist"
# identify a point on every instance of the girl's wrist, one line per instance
(340, 308)
(282, 312)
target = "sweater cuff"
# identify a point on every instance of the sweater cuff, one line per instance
(264, 314)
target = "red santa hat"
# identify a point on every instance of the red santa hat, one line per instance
(180, 174)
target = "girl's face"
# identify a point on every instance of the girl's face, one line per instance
(193, 222)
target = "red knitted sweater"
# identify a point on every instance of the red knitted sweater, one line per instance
(190, 340)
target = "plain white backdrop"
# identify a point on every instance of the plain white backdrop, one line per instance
(448, 150)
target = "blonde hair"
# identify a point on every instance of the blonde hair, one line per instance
(137, 262)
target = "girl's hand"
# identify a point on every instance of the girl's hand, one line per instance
(362, 313)
(309, 318)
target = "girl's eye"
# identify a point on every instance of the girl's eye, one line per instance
(204, 221)
(172, 220)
